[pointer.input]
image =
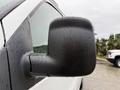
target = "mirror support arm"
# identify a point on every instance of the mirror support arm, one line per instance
(37, 64)
(71, 50)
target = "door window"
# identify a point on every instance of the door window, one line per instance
(39, 22)
(4, 2)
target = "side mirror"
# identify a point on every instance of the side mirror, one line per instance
(71, 50)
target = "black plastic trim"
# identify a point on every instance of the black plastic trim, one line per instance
(111, 60)
(72, 21)
(56, 9)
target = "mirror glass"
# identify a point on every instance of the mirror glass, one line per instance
(40, 20)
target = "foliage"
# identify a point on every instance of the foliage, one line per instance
(40, 49)
(102, 45)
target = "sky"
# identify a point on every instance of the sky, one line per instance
(104, 14)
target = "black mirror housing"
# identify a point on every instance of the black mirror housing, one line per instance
(71, 43)
(71, 49)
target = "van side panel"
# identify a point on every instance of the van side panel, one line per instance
(19, 44)
(4, 74)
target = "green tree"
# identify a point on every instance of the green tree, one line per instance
(117, 41)
(101, 47)
(111, 42)
(97, 46)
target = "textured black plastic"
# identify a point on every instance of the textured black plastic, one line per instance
(71, 43)
(71, 49)
(72, 21)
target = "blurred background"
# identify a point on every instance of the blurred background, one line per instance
(105, 18)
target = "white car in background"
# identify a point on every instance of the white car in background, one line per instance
(40, 49)
(113, 56)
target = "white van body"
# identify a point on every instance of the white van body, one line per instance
(58, 83)
(10, 23)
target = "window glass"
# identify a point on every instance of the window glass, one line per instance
(4, 2)
(39, 22)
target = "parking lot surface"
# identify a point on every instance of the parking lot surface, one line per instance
(105, 77)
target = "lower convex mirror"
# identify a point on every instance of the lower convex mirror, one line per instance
(71, 50)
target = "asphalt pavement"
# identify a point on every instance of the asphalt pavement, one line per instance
(105, 77)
